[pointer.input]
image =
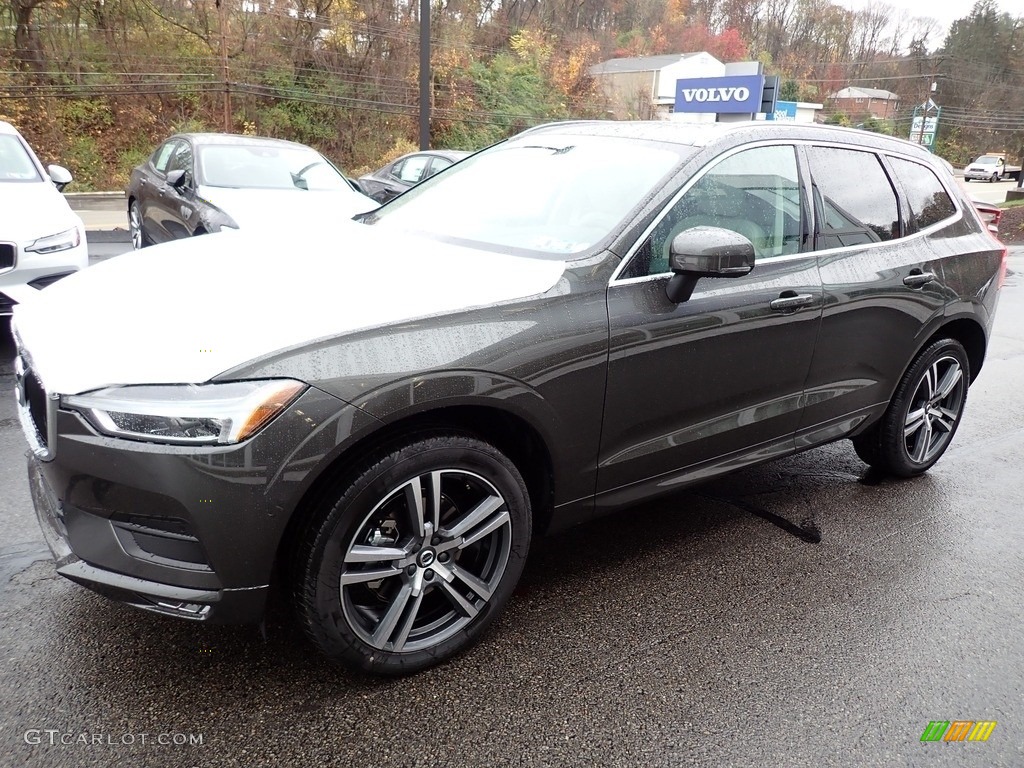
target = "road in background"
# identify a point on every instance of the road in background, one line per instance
(987, 192)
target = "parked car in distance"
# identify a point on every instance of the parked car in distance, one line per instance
(407, 171)
(41, 238)
(198, 183)
(583, 317)
(992, 166)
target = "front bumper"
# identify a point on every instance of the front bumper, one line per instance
(979, 175)
(93, 532)
(184, 531)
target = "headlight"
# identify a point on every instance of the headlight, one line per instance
(186, 414)
(62, 241)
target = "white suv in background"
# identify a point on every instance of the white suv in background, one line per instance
(41, 238)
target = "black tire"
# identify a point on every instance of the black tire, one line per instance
(431, 593)
(135, 227)
(923, 415)
(995, 178)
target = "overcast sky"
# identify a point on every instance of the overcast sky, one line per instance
(945, 12)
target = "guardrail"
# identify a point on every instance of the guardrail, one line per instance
(95, 201)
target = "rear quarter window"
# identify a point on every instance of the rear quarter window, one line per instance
(928, 200)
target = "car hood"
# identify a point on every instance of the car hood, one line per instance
(39, 210)
(188, 310)
(268, 208)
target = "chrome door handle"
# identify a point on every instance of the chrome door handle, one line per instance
(790, 300)
(917, 279)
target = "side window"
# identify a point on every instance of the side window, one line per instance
(437, 165)
(411, 170)
(853, 198)
(181, 159)
(163, 155)
(929, 202)
(755, 192)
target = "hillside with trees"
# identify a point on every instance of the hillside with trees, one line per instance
(95, 84)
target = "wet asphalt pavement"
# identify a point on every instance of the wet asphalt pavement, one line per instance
(802, 613)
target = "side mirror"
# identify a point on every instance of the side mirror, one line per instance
(59, 175)
(706, 252)
(177, 178)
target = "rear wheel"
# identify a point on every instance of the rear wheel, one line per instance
(135, 228)
(418, 554)
(923, 415)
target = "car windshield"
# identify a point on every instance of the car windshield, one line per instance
(15, 162)
(987, 160)
(267, 167)
(541, 194)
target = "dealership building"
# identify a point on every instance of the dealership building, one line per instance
(693, 87)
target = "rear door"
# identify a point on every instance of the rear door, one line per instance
(883, 283)
(721, 374)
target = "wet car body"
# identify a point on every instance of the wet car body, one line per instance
(579, 367)
(201, 183)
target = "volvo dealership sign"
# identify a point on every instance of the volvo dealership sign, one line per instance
(736, 93)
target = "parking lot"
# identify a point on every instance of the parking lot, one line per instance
(801, 613)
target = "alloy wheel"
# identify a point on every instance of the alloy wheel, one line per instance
(135, 226)
(425, 561)
(934, 410)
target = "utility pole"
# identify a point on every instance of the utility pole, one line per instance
(222, 23)
(424, 74)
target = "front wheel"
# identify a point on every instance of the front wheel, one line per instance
(418, 554)
(923, 415)
(995, 178)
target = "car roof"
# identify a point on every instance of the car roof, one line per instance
(235, 139)
(8, 129)
(705, 134)
(451, 154)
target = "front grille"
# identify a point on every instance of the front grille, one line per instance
(7, 254)
(35, 396)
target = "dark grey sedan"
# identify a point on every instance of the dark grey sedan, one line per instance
(583, 317)
(200, 183)
(393, 179)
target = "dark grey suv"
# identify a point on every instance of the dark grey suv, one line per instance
(381, 416)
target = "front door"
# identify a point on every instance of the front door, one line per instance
(722, 374)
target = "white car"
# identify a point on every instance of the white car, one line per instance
(41, 238)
